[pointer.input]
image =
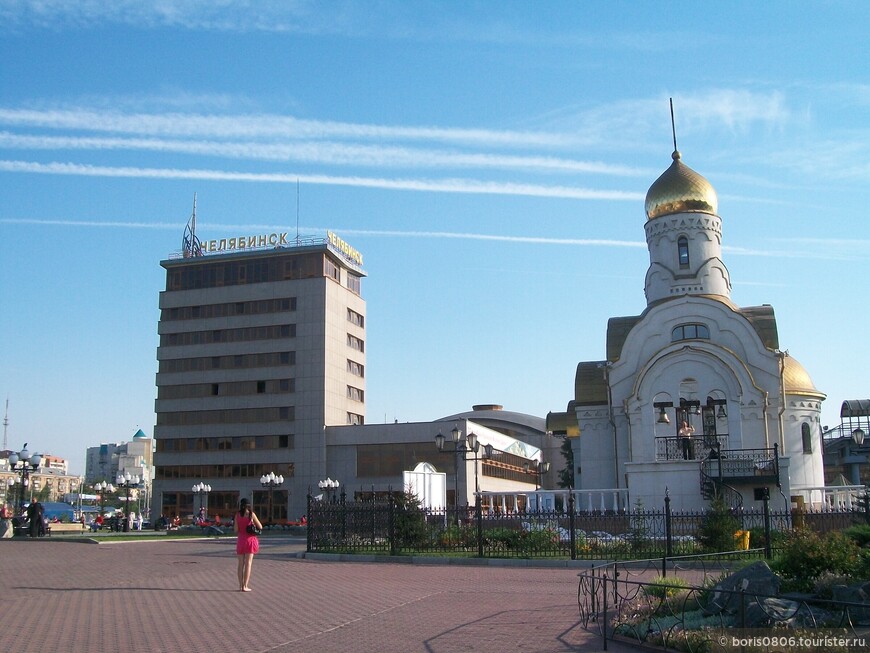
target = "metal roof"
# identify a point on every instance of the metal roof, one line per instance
(855, 408)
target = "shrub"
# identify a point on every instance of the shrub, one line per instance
(665, 587)
(410, 521)
(717, 528)
(824, 585)
(805, 556)
(859, 534)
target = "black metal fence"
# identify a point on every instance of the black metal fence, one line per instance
(398, 526)
(651, 604)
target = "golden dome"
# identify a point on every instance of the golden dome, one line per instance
(680, 190)
(795, 379)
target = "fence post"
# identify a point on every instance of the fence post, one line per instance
(478, 514)
(392, 523)
(572, 524)
(766, 504)
(343, 518)
(669, 550)
(604, 608)
(309, 527)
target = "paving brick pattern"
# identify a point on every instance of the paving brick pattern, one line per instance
(182, 596)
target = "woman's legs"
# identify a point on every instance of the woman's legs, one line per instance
(241, 572)
(246, 571)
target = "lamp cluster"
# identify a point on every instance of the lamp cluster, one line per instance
(23, 463)
(271, 480)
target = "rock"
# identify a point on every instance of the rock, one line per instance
(756, 580)
(859, 615)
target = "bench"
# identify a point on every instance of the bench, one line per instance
(64, 527)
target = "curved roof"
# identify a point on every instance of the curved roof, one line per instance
(796, 380)
(563, 423)
(855, 408)
(680, 189)
(513, 424)
(590, 384)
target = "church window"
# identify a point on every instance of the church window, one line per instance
(683, 251)
(690, 332)
(807, 438)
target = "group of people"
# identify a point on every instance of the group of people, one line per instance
(34, 522)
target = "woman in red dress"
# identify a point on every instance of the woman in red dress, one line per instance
(246, 544)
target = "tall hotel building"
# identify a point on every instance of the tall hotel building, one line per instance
(262, 345)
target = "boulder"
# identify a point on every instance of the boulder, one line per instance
(756, 580)
(860, 593)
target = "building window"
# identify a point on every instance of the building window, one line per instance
(807, 438)
(355, 368)
(354, 283)
(690, 332)
(261, 387)
(355, 393)
(355, 343)
(355, 318)
(330, 270)
(683, 251)
(353, 418)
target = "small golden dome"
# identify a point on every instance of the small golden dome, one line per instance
(795, 378)
(680, 190)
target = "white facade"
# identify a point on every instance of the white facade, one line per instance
(694, 355)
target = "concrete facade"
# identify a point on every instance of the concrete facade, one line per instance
(254, 365)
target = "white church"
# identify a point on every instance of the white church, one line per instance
(695, 395)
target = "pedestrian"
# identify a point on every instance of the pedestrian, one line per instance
(685, 434)
(139, 520)
(34, 517)
(6, 530)
(247, 543)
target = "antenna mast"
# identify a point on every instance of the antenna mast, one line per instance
(6, 426)
(297, 210)
(190, 244)
(673, 125)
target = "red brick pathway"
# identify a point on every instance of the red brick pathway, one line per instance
(181, 596)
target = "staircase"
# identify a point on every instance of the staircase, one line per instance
(712, 487)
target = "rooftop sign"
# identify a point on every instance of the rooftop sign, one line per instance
(350, 253)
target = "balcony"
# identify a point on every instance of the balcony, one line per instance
(717, 462)
(744, 466)
(698, 448)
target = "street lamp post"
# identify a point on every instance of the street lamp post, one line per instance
(24, 464)
(270, 481)
(465, 449)
(329, 486)
(127, 482)
(858, 438)
(201, 490)
(103, 487)
(537, 469)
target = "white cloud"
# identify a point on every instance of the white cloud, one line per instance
(322, 152)
(217, 15)
(430, 185)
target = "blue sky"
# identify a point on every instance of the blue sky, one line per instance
(488, 159)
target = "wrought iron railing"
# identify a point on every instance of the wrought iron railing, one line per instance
(695, 448)
(675, 604)
(395, 527)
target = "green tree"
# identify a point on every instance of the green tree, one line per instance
(410, 521)
(718, 527)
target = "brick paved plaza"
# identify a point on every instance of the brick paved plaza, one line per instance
(181, 595)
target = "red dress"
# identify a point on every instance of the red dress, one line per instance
(245, 543)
